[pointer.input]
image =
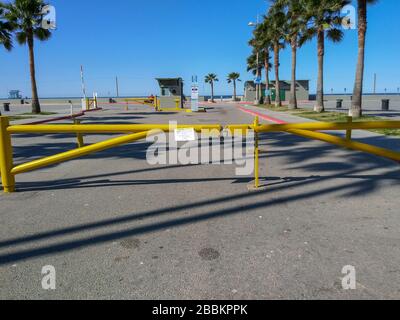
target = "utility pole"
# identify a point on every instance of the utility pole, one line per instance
(258, 86)
(83, 83)
(117, 86)
(374, 83)
(258, 68)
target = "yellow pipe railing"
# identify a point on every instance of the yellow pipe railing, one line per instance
(256, 155)
(321, 126)
(151, 101)
(354, 145)
(140, 131)
(105, 128)
(79, 136)
(69, 155)
(6, 156)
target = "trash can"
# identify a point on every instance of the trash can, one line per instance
(339, 103)
(22, 101)
(6, 106)
(385, 104)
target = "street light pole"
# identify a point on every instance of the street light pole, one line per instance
(252, 24)
(258, 70)
(117, 86)
(83, 83)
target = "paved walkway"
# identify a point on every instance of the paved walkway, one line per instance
(116, 227)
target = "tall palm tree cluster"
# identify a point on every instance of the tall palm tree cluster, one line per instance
(21, 20)
(293, 23)
(232, 78)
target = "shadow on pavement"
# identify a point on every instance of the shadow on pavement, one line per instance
(352, 176)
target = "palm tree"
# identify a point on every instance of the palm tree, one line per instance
(26, 16)
(5, 29)
(356, 106)
(262, 42)
(252, 65)
(324, 20)
(276, 30)
(211, 78)
(293, 27)
(233, 78)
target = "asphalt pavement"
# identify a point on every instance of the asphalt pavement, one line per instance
(115, 227)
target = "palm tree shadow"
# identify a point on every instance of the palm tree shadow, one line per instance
(358, 172)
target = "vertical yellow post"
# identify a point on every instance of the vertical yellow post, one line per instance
(127, 106)
(79, 136)
(156, 103)
(256, 155)
(6, 157)
(87, 104)
(349, 132)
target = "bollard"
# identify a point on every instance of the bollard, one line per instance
(349, 132)
(385, 104)
(6, 106)
(256, 154)
(339, 103)
(159, 104)
(79, 136)
(87, 104)
(71, 106)
(6, 157)
(156, 103)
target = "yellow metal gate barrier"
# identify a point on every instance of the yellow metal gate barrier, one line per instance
(136, 132)
(153, 102)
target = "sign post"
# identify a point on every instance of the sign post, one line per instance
(195, 95)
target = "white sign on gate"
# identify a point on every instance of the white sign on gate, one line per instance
(185, 134)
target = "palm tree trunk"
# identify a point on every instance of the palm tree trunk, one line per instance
(356, 106)
(293, 96)
(234, 90)
(278, 101)
(260, 96)
(212, 91)
(266, 66)
(320, 83)
(35, 98)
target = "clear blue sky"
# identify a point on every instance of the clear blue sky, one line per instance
(141, 40)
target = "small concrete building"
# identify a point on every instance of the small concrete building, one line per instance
(171, 91)
(303, 90)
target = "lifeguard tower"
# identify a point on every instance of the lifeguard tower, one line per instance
(14, 94)
(171, 92)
